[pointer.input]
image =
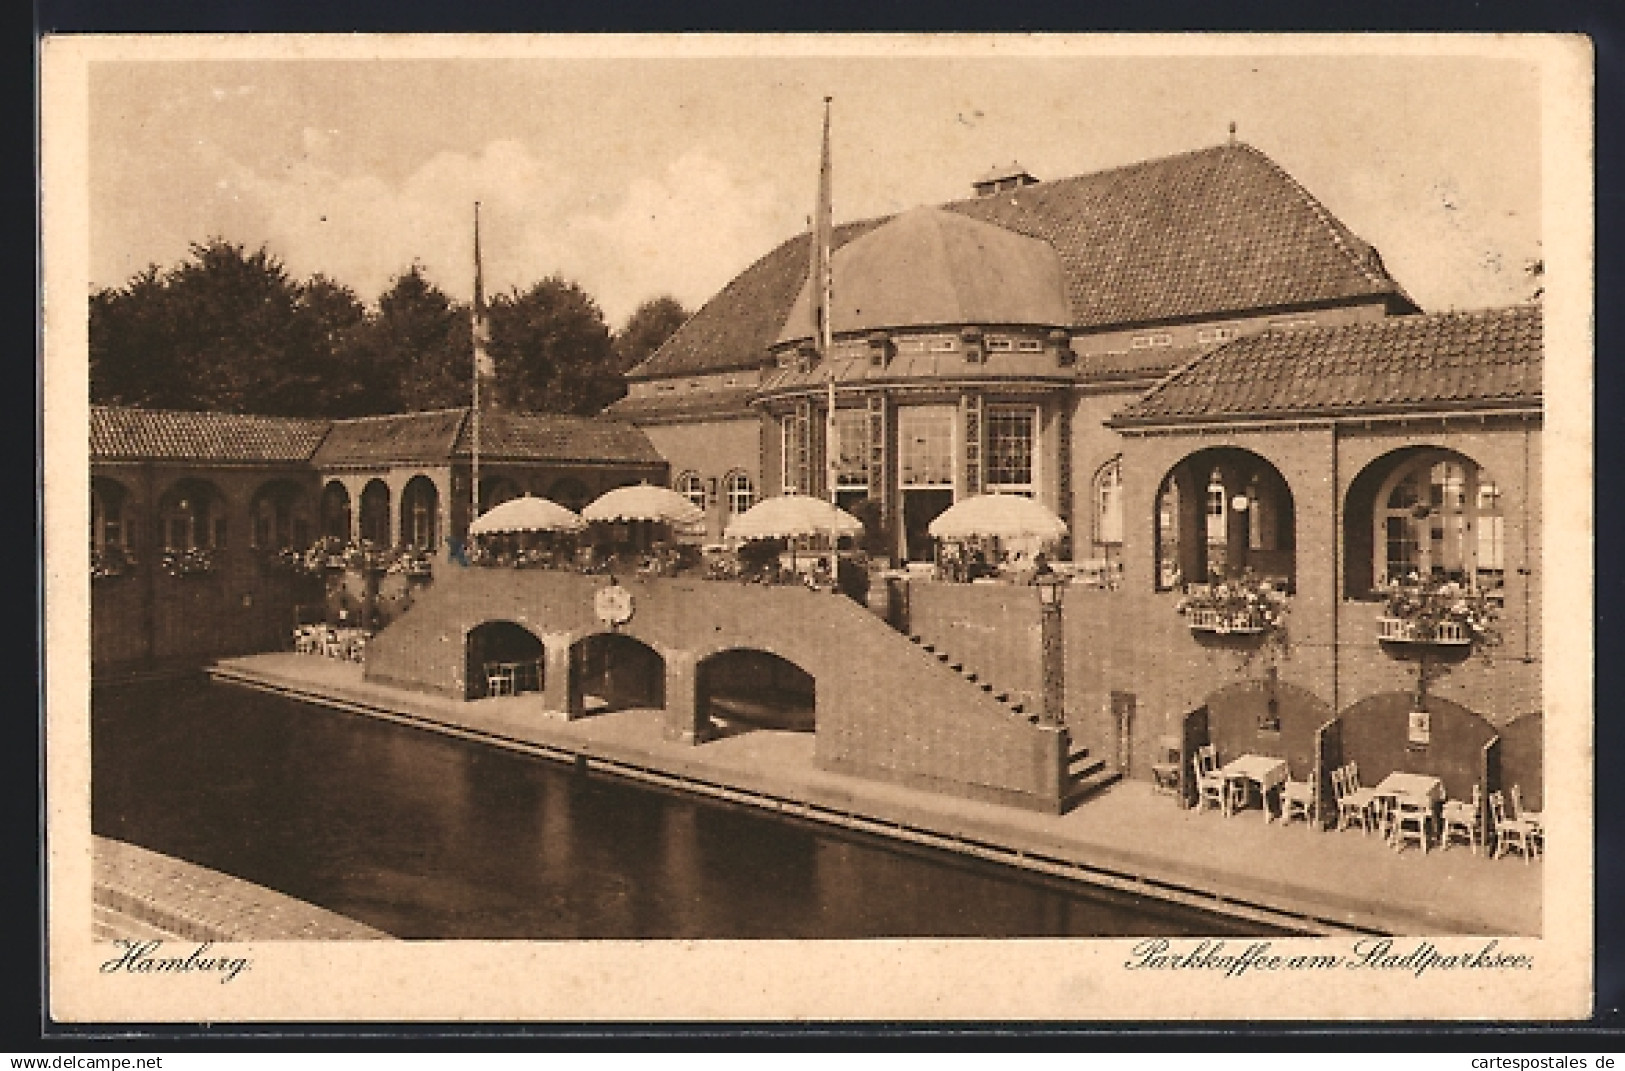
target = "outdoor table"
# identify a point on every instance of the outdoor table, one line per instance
(1429, 790)
(1266, 772)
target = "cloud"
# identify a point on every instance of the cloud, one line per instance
(686, 231)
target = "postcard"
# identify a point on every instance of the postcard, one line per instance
(843, 528)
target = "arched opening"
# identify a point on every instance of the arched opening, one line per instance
(109, 504)
(613, 671)
(1423, 512)
(335, 510)
(1222, 511)
(570, 493)
(375, 513)
(278, 517)
(192, 516)
(502, 658)
(495, 490)
(743, 688)
(1108, 509)
(741, 493)
(420, 510)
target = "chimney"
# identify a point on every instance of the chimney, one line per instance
(1012, 176)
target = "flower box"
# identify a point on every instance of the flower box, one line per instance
(1443, 633)
(1244, 624)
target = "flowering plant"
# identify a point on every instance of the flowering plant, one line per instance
(1242, 603)
(109, 561)
(192, 562)
(411, 561)
(1429, 608)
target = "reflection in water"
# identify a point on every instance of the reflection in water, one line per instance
(429, 837)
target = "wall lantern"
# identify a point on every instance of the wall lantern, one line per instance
(1050, 587)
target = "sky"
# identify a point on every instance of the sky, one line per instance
(640, 176)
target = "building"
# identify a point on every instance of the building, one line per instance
(191, 511)
(984, 344)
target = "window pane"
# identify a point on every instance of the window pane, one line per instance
(926, 445)
(1010, 449)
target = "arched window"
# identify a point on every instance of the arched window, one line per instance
(420, 505)
(1220, 512)
(192, 516)
(691, 487)
(375, 513)
(741, 495)
(1439, 517)
(335, 511)
(1109, 507)
(107, 522)
(277, 517)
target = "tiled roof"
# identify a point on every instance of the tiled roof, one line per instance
(735, 328)
(378, 440)
(1137, 363)
(730, 402)
(1486, 359)
(1215, 231)
(557, 437)
(442, 434)
(118, 433)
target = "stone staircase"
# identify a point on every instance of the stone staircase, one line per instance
(1085, 773)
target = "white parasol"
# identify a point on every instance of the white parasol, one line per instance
(787, 516)
(643, 502)
(526, 514)
(1001, 516)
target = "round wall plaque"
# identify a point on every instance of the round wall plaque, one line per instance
(613, 605)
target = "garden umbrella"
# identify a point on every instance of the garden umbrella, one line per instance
(1001, 516)
(787, 516)
(643, 502)
(526, 514)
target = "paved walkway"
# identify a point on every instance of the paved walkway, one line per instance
(141, 895)
(1127, 831)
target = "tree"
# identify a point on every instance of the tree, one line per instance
(552, 350)
(646, 330)
(225, 330)
(418, 351)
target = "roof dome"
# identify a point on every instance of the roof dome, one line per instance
(929, 267)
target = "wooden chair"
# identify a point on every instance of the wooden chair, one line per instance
(1211, 785)
(1412, 820)
(1354, 804)
(1521, 814)
(1298, 798)
(498, 679)
(1510, 832)
(1165, 773)
(1460, 818)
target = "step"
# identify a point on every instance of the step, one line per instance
(1080, 789)
(972, 677)
(1086, 768)
(916, 639)
(1077, 756)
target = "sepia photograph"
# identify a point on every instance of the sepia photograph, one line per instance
(728, 527)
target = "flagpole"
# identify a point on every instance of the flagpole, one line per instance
(479, 362)
(823, 239)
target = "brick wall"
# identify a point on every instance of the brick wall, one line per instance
(885, 707)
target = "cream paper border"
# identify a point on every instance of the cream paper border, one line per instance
(868, 980)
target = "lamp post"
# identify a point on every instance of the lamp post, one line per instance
(1053, 649)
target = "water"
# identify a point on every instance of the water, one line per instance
(424, 836)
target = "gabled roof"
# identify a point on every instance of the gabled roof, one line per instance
(556, 437)
(1486, 359)
(1219, 230)
(729, 402)
(118, 433)
(393, 437)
